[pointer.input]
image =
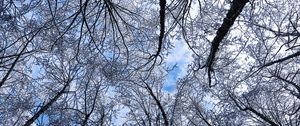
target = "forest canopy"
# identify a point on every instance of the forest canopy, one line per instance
(107, 62)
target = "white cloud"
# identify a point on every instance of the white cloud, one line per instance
(180, 55)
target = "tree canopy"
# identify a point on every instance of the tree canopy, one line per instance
(105, 62)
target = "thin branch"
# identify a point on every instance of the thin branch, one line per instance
(48, 105)
(17, 59)
(166, 122)
(282, 59)
(247, 108)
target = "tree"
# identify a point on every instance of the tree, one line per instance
(104, 62)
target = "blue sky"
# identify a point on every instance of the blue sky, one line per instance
(180, 56)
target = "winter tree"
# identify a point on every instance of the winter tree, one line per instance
(110, 62)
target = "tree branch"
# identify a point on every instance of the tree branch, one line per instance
(260, 115)
(235, 10)
(162, 4)
(166, 122)
(47, 106)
